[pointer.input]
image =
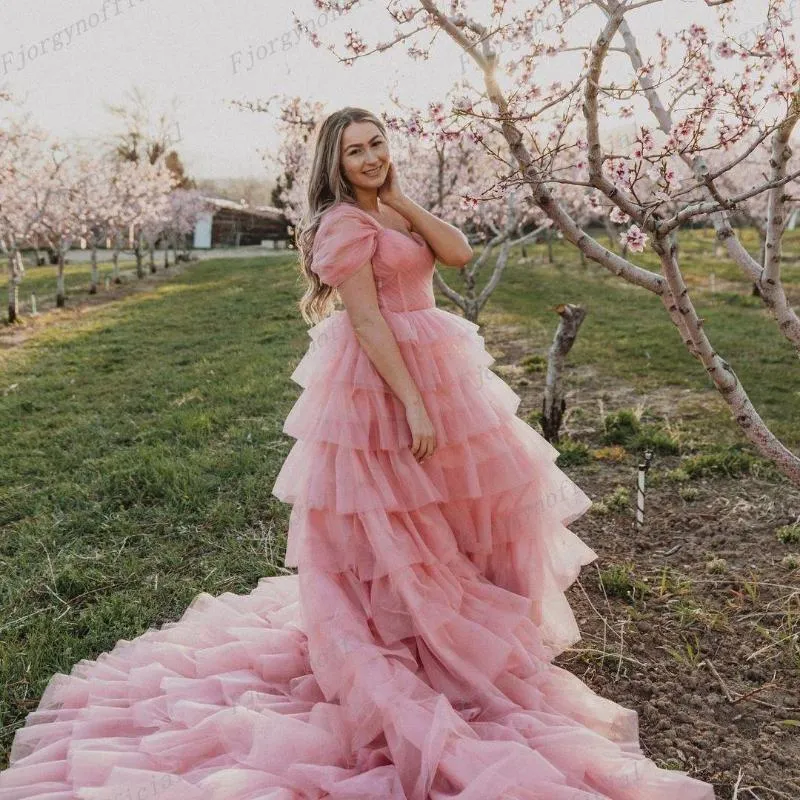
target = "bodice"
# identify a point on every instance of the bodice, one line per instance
(403, 269)
(402, 264)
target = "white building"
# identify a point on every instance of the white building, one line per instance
(232, 224)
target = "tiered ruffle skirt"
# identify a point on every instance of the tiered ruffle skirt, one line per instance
(409, 658)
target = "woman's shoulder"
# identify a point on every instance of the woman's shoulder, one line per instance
(344, 241)
(344, 220)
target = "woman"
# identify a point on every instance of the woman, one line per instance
(411, 656)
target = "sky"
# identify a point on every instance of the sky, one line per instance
(67, 60)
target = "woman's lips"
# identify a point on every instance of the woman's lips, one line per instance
(373, 172)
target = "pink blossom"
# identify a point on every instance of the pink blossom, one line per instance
(681, 131)
(618, 171)
(724, 50)
(354, 42)
(634, 238)
(437, 113)
(618, 216)
(593, 202)
(698, 34)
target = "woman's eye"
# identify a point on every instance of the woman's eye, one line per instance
(357, 152)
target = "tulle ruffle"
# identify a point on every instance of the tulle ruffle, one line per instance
(410, 658)
(306, 688)
(438, 347)
(345, 480)
(374, 419)
(448, 672)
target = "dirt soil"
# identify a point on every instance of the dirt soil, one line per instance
(707, 654)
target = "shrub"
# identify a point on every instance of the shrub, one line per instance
(789, 534)
(534, 363)
(572, 452)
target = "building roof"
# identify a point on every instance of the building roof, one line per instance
(268, 212)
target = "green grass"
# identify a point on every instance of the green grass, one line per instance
(41, 281)
(140, 447)
(628, 333)
(142, 439)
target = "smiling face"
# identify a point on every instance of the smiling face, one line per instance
(364, 155)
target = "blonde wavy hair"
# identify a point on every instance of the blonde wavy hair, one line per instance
(326, 187)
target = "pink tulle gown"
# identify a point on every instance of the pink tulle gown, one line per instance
(410, 657)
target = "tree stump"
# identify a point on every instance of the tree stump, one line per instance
(554, 404)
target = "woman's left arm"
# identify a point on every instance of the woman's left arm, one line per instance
(449, 244)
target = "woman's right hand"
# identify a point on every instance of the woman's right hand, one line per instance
(423, 434)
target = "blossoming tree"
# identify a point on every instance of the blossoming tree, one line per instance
(696, 99)
(449, 174)
(185, 208)
(95, 198)
(63, 219)
(141, 199)
(30, 164)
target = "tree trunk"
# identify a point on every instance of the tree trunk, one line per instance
(115, 260)
(553, 403)
(139, 256)
(762, 256)
(61, 295)
(151, 246)
(14, 277)
(550, 245)
(95, 279)
(612, 239)
(470, 309)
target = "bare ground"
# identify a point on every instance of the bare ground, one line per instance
(706, 651)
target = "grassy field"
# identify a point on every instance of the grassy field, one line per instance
(628, 332)
(142, 436)
(41, 280)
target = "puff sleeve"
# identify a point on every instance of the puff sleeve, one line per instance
(345, 240)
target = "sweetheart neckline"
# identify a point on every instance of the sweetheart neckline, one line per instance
(409, 236)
